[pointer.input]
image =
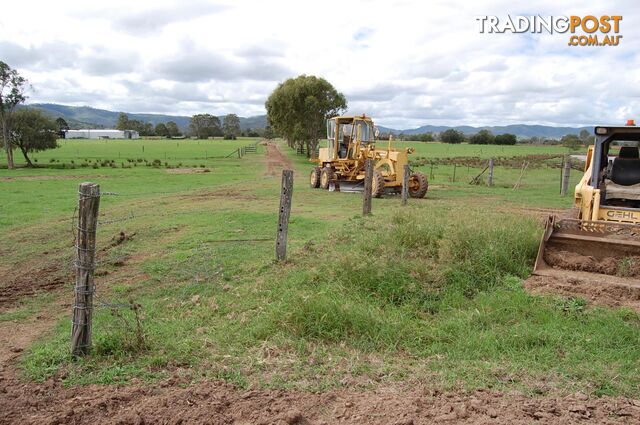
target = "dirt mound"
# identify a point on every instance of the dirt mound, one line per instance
(598, 292)
(219, 403)
(625, 267)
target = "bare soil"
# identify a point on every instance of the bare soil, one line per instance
(276, 160)
(613, 266)
(218, 403)
(603, 291)
(17, 284)
(187, 170)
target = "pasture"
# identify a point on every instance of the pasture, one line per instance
(428, 294)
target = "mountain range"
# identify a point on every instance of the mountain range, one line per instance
(86, 116)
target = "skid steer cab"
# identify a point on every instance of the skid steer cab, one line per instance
(603, 234)
(351, 140)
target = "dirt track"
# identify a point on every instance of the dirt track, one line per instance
(276, 160)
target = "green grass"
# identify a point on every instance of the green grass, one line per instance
(430, 294)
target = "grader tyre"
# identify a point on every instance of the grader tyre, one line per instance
(377, 184)
(314, 178)
(418, 185)
(326, 176)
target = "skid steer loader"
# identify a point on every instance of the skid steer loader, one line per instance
(601, 241)
(351, 140)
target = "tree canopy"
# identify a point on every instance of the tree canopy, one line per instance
(505, 139)
(204, 126)
(12, 93)
(482, 137)
(172, 129)
(298, 108)
(33, 131)
(231, 126)
(452, 136)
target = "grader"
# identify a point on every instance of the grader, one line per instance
(351, 140)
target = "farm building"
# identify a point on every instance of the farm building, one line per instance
(101, 134)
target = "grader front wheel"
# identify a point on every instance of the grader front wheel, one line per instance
(377, 184)
(314, 178)
(326, 175)
(418, 185)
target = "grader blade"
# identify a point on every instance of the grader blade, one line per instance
(581, 249)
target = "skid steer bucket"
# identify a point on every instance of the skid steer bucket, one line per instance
(596, 250)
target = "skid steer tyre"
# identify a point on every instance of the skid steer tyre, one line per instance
(377, 184)
(418, 185)
(314, 178)
(326, 176)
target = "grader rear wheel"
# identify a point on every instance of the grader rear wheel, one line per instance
(314, 178)
(418, 185)
(326, 175)
(377, 184)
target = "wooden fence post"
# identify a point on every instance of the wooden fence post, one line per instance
(454, 172)
(286, 192)
(405, 185)
(88, 206)
(368, 178)
(565, 176)
(490, 176)
(239, 156)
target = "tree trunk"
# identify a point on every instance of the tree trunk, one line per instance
(307, 149)
(314, 147)
(7, 144)
(26, 157)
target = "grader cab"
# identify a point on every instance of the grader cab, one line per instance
(351, 140)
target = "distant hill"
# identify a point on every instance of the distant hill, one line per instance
(520, 130)
(86, 116)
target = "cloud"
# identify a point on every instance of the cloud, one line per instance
(150, 21)
(51, 55)
(195, 64)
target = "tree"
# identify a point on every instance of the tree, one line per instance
(172, 129)
(12, 88)
(482, 137)
(231, 126)
(571, 141)
(62, 124)
(147, 129)
(161, 130)
(452, 136)
(505, 139)
(268, 132)
(123, 122)
(33, 131)
(424, 137)
(299, 107)
(204, 126)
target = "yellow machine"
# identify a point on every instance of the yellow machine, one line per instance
(351, 140)
(603, 235)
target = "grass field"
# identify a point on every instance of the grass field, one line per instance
(430, 293)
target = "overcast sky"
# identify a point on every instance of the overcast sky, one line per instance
(406, 63)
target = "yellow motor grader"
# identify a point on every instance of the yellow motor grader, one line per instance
(351, 140)
(601, 240)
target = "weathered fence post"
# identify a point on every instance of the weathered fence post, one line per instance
(368, 177)
(239, 155)
(566, 172)
(88, 205)
(405, 185)
(490, 176)
(454, 172)
(286, 192)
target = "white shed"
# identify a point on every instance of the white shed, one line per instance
(101, 133)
